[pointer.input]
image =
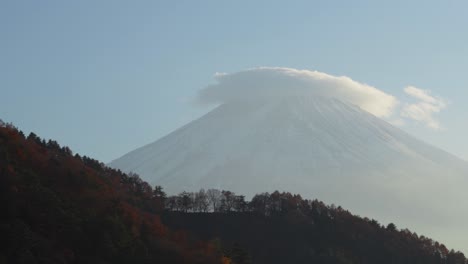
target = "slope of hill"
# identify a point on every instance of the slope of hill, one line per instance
(60, 208)
(285, 228)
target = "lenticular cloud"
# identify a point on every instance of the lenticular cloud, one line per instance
(269, 82)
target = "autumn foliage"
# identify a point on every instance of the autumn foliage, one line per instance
(63, 208)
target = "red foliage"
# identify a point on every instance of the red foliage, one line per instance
(89, 186)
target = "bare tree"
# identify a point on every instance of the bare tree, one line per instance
(201, 203)
(185, 201)
(171, 203)
(214, 198)
(228, 200)
(240, 204)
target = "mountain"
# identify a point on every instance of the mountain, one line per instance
(295, 144)
(318, 146)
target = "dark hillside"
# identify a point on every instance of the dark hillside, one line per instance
(284, 228)
(60, 208)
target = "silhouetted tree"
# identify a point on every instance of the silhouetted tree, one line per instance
(240, 205)
(185, 201)
(201, 203)
(214, 198)
(228, 200)
(391, 227)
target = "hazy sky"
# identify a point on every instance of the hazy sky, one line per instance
(105, 77)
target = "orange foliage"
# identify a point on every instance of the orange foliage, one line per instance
(225, 260)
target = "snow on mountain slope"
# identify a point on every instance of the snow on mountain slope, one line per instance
(319, 147)
(283, 144)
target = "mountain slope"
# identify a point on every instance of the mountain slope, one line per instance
(319, 147)
(283, 145)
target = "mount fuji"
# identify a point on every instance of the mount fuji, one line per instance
(295, 144)
(320, 145)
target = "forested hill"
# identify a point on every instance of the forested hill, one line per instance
(285, 228)
(63, 208)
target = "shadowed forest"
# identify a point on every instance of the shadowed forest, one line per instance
(61, 207)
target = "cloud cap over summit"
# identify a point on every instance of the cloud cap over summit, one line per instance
(268, 82)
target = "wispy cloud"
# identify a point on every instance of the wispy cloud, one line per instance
(425, 108)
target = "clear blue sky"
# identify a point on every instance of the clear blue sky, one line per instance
(105, 77)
